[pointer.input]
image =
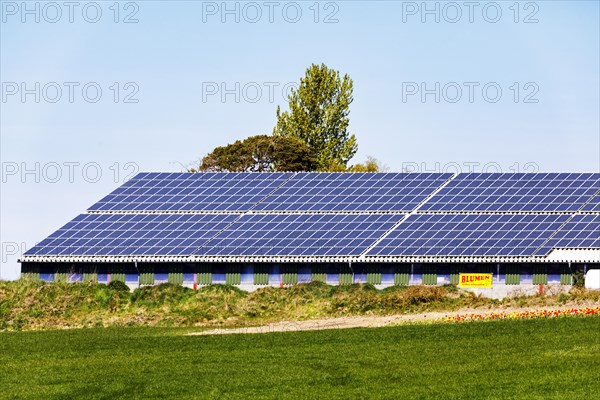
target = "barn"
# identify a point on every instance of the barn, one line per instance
(255, 229)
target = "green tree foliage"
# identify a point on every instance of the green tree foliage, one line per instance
(261, 153)
(370, 165)
(318, 116)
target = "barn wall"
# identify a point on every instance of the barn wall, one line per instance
(251, 275)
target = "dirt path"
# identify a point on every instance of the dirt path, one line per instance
(367, 321)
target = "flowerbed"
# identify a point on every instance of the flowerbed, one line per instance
(526, 314)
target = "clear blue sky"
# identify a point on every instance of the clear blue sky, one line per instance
(178, 56)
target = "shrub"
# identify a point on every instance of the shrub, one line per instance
(395, 288)
(578, 278)
(413, 296)
(562, 298)
(369, 287)
(314, 289)
(220, 288)
(161, 294)
(118, 286)
(352, 288)
(581, 294)
(451, 288)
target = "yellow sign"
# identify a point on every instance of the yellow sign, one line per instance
(475, 280)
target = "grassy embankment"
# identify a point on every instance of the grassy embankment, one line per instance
(28, 305)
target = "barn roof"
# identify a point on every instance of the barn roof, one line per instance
(309, 217)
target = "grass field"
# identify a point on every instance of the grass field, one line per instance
(528, 359)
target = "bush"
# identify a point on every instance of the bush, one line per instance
(581, 294)
(355, 288)
(160, 294)
(369, 287)
(314, 289)
(562, 298)
(413, 296)
(578, 279)
(395, 288)
(450, 288)
(220, 288)
(118, 286)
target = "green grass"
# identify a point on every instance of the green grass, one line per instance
(528, 359)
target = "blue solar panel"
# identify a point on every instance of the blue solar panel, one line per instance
(515, 192)
(335, 214)
(132, 234)
(593, 205)
(469, 235)
(204, 192)
(300, 235)
(582, 231)
(351, 192)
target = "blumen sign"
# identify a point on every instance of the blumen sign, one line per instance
(475, 280)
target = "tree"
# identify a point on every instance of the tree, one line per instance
(261, 153)
(371, 164)
(318, 116)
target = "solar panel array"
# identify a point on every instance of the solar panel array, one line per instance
(133, 234)
(372, 215)
(209, 192)
(470, 235)
(300, 235)
(593, 205)
(582, 231)
(353, 192)
(515, 192)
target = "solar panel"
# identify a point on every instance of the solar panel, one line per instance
(132, 234)
(515, 192)
(469, 235)
(335, 214)
(582, 231)
(351, 192)
(593, 205)
(300, 235)
(202, 192)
